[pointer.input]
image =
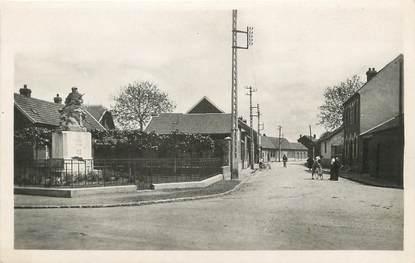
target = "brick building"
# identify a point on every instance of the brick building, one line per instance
(374, 126)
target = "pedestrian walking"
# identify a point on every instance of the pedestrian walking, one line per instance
(310, 162)
(284, 160)
(317, 168)
(314, 167)
(334, 169)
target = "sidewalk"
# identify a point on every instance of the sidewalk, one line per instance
(366, 179)
(141, 197)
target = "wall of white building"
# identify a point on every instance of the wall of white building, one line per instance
(379, 98)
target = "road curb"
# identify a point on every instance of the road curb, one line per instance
(357, 180)
(365, 182)
(139, 203)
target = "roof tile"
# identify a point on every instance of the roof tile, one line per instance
(206, 123)
(47, 113)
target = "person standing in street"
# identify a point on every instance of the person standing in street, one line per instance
(284, 160)
(334, 169)
(314, 167)
(319, 167)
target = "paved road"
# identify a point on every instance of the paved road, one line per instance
(280, 208)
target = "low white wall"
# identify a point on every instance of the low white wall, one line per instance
(196, 184)
(74, 192)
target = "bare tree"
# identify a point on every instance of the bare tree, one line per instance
(137, 102)
(331, 111)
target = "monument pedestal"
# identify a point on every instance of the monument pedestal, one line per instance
(70, 144)
(75, 148)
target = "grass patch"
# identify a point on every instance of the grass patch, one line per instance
(216, 188)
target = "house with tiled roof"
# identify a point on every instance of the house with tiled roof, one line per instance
(102, 115)
(214, 124)
(273, 148)
(204, 105)
(207, 119)
(374, 124)
(330, 144)
(33, 112)
(30, 111)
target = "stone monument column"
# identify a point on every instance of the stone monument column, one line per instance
(71, 144)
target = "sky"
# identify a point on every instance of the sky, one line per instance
(300, 48)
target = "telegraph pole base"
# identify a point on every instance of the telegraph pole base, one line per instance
(234, 174)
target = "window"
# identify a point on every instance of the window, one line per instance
(355, 113)
(325, 147)
(348, 115)
(352, 148)
(356, 141)
(346, 143)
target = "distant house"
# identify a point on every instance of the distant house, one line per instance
(102, 115)
(32, 112)
(331, 144)
(207, 119)
(270, 149)
(374, 125)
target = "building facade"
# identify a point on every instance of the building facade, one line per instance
(351, 120)
(102, 115)
(331, 145)
(207, 119)
(374, 125)
(272, 152)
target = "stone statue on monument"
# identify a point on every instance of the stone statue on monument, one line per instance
(72, 115)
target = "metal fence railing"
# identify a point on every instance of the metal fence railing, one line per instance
(107, 172)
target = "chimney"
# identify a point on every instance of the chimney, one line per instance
(25, 91)
(370, 73)
(57, 99)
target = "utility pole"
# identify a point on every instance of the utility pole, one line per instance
(251, 123)
(279, 143)
(234, 97)
(311, 139)
(259, 131)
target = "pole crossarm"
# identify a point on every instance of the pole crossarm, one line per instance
(251, 123)
(234, 94)
(249, 37)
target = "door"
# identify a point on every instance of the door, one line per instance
(377, 159)
(365, 157)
